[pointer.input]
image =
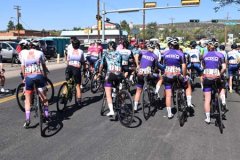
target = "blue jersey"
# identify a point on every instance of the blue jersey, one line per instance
(126, 54)
(113, 59)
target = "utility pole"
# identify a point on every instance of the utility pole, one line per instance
(18, 8)
(171, 24)
(98, 13)
(143, 21)
(225, 30)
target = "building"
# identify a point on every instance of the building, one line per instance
(88, 34)
(13, 34)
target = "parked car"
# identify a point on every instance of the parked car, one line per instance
(49, 48)
(9, 52)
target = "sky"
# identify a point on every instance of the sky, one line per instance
(66, 14)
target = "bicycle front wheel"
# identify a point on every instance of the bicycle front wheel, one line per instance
(95, 83)
(219, 114)
(148, 102)
(104, 108)
(21, 97)
(50, 90)
(124, 108)
(181, 107)
(62, 97)
(85, 77)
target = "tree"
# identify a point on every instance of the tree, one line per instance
(223, 3)
(151, 30)
(76, 28)
(10, 25)
(125, 26)
(19, 26)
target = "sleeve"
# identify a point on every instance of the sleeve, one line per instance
(82, 57)
(103, 59)
(42, 58)
(183, 59)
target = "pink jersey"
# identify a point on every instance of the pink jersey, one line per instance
(94, 50)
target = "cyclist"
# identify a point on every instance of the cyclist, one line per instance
(175, 63)
(113, 60)
(94, 53)
(233, 63)
(31, 63)
(2, 77)
(75, 60)
(214, 67)
(148, 63)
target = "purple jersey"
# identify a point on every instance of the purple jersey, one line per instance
(212, 62)
(173, 59)
(147, 62)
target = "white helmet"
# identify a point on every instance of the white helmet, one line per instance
(23, 42)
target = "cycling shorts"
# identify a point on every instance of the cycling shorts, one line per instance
(73, 72)
(169, 81)
(29, 82)
(112, 80)
(196, 66)
(125, 68)
(232, 68)
(153, 78)
(209, 83)
(92, 59)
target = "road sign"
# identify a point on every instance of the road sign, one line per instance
(150, 4)
(190, 2)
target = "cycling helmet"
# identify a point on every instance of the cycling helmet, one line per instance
(222, 47)
(98, 41)
(125, 44)
(193, 44)
(76, 44)
(23, 42)
(234, 46)
(173, 41)
(112, 45)
(34, 43)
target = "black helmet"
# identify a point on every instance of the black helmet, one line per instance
(112, 45)
(173, 41)
(125, 44)
(35, 44)
(193, 44)
(234, 46)
(76, 43)
(151, 45)
(222, 47)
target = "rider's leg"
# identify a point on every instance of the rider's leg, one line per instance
(207, 95)
(230, 83)
(2, 82)
(168, 102)
(108, 90)
(140, 84)
(189, 94)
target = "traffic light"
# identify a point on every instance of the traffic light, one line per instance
(98, 17)
(214, 20)
(107, 20)
(99, 25)
(194, 20)
(190, 2)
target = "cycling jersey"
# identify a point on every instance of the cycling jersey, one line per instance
(75, 57)
(135, 51)
(158, 54)
(233, 60)
(125, 53)
(194, 55)
(113, 59)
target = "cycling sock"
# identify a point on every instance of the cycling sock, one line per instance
(207, 115)
(110, 106)
(46, 111)
(131, 77)
(223, 98)
(157, 88)
(189, 100)
(169, 110)
(27, 114)
(135, 105)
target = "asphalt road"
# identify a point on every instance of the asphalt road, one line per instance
(84, 134)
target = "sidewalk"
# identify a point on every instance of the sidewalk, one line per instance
(14, 70)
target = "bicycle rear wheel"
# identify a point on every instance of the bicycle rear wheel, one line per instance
(124, 108)
(148, 102)
(85, 77)
(21, 97)
(219, 114)
(104, 108)
(95, 83)
(181, 107)
(50, 90)
(62, 97)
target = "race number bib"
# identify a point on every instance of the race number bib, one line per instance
(124, 63)
(194, 60)
(172, 70)
(74, 63)
(213, 72)
(32, 69)
(232, 61)
(114, 68)
(145, 70)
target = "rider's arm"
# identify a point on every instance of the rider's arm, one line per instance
(45, 69)
(184, 66)
(101, 64)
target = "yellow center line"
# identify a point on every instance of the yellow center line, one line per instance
(2, 100)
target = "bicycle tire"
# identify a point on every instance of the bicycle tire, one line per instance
(62, 98)
(104, 105)
(85, 78)
(219, 117)
(181, 109)
(124, 110)
(95, 83)
(146, 104)
(20, 96)
(50, 86)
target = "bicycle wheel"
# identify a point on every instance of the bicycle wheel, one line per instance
(148, 100)
(50, 90)
(124, 108)
(237, 88)
(181, 106)
(40, 113)
(104, 105)
(62, 97)
(20, 96)
(85, 77)
(219, 113)
(95, 83)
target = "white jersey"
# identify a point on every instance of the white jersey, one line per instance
(233, 57)
(125, 53)
(158, 54)
(194, 55)
(32, 60)
(75, 57)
